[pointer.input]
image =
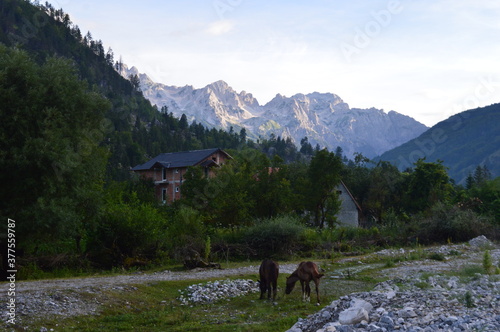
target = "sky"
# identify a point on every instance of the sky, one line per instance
(428, 59)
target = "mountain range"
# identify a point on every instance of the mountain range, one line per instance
(137, 131)
(324, 118)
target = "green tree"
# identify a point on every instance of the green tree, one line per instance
(305, 146)
(243, 135)
(485, 199)
(52, 165)
(129, 228)
(384, 190)
(230, 200)
(183, 122)
(481, 175)
(324, 175)
(428, 184)
(194, 188)
(135, 81)
(271, 188)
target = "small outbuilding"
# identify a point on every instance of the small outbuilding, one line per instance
(350, 211)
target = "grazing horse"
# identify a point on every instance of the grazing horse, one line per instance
(306, 271)
(268, 271)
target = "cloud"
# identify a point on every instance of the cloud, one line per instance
(220, 27)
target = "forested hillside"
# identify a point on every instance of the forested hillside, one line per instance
(462, 142)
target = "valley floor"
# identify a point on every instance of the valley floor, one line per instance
(39, 300)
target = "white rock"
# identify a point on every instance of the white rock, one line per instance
(359, 303)
(353, 316)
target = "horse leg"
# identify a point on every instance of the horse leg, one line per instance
(262, 288)
(308, 292)
(316, 282)
(275, 288)
(303, 290)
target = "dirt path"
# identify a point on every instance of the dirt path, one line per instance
(111, 282)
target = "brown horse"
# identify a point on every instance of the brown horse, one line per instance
(269, 271)
(306, 271)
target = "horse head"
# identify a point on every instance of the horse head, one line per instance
(290, 283)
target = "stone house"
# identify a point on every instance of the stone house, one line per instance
(167, 170)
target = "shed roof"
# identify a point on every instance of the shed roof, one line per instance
(178, 159)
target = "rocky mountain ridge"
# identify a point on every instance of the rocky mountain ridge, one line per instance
(322, 117)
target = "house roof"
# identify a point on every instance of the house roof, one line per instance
(178, 159)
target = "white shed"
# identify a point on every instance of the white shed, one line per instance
(350, 210)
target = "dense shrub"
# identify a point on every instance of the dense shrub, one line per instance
(277, 237)
(127, 230)
(228, 244)
(449, 223)
(187, 235)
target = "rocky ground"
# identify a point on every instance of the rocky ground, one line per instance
(417, 298)
(413, 298)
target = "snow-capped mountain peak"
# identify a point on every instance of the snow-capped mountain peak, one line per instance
(323, 117)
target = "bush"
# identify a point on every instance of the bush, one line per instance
(437, 257)
(126, 230)
(187, 235)
(444, 223)
(278, 237)
(487, 262)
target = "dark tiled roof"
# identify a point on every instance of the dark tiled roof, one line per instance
(177, 159)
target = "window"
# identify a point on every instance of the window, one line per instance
(176, 170)
(176, 189)
(163, 173)
(164, 196)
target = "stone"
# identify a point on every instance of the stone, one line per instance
(407, 312)
(294, 329)
(386, 320)
(353, 316)
(359, 303)
(390, 295)
(480, 242)
(344, 328)
(326, 315)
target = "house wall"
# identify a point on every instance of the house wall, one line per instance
(219, 157)
(348, 214)
(174, 177)
(171, 184)
(156, 174)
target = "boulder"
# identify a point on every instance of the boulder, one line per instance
(480, 242)
(359, 311)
